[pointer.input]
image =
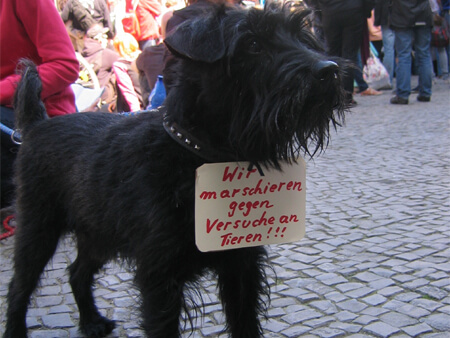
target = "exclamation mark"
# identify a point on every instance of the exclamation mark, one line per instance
(278, 230)
(268, 232)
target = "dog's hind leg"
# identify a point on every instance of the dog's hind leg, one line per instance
(82, 272)
(242, 285)
(36, 242)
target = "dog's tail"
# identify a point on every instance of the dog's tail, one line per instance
(28, 106)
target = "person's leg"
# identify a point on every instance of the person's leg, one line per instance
(333, 34)
(389, 51)
(443, 61)
(422, 39)
(447, 18)
(358, 76)
(333, 31)
(403, 47)
(351, 42)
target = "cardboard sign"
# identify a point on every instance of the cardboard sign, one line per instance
(236, 208)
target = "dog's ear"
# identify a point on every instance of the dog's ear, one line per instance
(199, 39)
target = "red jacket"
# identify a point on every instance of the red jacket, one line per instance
(34, 30)
(146, 12)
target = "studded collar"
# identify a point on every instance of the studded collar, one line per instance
(191, 143)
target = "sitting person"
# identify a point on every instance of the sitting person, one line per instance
(97, 52)
(129, 97)
(33, 30)
(151, 61)
(150, 64)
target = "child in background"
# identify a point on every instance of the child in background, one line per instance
(129, 96)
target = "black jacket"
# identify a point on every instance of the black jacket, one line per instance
(410, 13)
(381, 12)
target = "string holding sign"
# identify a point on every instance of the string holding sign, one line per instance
(236, 207)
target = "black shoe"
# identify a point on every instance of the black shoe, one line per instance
(399, 100)
(423, 98)
(415, 89)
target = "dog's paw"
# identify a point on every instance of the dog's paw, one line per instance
(100, 327)
(22, 333)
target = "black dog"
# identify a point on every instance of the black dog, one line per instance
(242, 86)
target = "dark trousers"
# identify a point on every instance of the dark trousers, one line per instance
(8, 154)
(343, 34)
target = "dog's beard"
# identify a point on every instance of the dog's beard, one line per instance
(287, 117)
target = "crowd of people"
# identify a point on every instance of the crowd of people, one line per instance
(403, 34)
(123, 41)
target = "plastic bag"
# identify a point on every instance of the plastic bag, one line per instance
(375, 74)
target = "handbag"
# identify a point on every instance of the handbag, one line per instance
(375, 74)
(439, 36)
(130, 22)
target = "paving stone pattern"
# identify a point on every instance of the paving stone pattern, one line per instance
(375, 258)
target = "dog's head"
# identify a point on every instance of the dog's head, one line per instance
(255, 83)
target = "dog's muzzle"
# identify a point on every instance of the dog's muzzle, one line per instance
(324, 69)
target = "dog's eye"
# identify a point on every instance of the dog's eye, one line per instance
(254, 47)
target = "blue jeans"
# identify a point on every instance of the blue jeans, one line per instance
(420, 37)
(389, 50)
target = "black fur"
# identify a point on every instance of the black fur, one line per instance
(240, 81)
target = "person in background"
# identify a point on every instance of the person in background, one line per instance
(151, 61)
(146, 11)
(129, 96)
(78, 21)
(343, 23)
(388, 36)
(97, 52)
(412, 22)
(84, 14)
(363, 55)
(375, 35)
(445, 13)
(99, 11)
(33, 30)
(439, 52)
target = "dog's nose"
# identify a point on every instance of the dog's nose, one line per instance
(323, 69)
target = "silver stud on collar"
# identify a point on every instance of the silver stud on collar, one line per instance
(180, 135)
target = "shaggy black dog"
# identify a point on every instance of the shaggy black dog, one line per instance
(242, 86)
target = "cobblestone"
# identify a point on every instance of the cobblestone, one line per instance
(375, 258)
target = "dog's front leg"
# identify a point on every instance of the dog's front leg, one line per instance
(162, 299)
(242, 284)
(82, 271)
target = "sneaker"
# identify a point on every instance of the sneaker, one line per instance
(423, 98)
(398, 100)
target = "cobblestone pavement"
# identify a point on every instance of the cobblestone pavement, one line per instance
(375, 258)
